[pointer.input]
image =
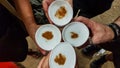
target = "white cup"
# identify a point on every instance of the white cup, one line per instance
(62, 56)
(48, 36)
(60, 12)
(75, 33)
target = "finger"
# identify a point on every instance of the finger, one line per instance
(45, 8)
(89, 23)
(46, 62)
(84, 20)
(70, 2)
(50, 21)
(42, 51)
(41, 62)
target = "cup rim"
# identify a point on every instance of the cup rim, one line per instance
(63, 46)
(73, 24)
(66, 19)
(50, 44)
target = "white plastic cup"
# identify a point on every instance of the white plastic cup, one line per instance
(67, 12)
(76, 33)
(48, 36)
(63, 56)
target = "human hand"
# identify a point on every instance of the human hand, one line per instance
(32, 28)
(24, 10)
(46, 4)
(100, 33)
(44, 63)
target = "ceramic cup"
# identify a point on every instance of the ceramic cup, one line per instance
(75, 33)
(63, 56)
(60, 12)
(48, 36)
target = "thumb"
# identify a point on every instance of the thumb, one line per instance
(84, 20)
(45, 8)
(40, 63)
(42, 51)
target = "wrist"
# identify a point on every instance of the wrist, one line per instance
(117, 21)
(116, 30)
(109, 33)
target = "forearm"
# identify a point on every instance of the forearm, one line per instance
(117, 21)
(24, 10)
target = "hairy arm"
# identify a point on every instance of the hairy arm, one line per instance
(24, 10)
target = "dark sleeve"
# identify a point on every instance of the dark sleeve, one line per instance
(116, 53)
(116, 59)
(91, 8)
(114, 47)
(13, 45)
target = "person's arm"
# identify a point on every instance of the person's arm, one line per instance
(101, 33)
(117, 21)
(115, 26)
(44, 62)
(24, 10)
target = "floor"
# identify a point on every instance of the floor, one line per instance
(107, 17)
